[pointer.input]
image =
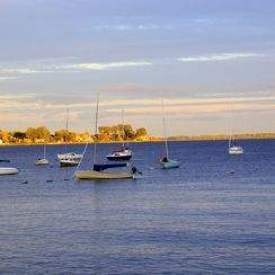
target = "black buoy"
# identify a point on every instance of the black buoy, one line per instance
(25, 182)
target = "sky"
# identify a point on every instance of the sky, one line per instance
(212, 62)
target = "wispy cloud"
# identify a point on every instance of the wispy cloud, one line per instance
(106, 66)
(130, 27)
(219, 57)
(35, 68)
(6, 78)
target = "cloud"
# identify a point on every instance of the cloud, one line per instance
(6, 78)
(106, 66)
(130, 27)
(61, 68)
(219, 57)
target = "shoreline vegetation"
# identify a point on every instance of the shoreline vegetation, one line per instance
(109, 134)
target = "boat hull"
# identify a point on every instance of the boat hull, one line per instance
(95, 175)
(5, 171)
(68, 163)
(170, 164)
(235, 151)
(42, 162)
(120, 158)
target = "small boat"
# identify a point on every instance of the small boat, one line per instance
(41, 162)
(123, 154)
(106, 171)
(69, 159)
(235, 150)
(166, 162)
(5, 171)
(44, 160)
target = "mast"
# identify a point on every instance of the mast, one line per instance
(230, 140)
(44, 149)
(67, 128)
(96, 127)
(164, 128)
(123, 128)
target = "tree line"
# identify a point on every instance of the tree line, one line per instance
(42, 134)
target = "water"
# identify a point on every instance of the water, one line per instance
(214, 215)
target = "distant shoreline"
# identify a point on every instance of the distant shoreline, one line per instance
(213, 138)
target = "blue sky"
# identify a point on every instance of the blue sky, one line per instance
(212, 60)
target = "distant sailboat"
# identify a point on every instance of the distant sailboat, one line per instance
(44, 160)
(166, 162)
(124, 153)
(234, 149)
(69, 159)
(106, 170)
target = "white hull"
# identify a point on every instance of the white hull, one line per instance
(235, 150)
(69, 159)
(41, 162)
(170, 164)
(95, 175)
(8, 171)
(70, 156)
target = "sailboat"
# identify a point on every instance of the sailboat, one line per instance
(123, 153)
(166, 162)
(106, 170)
(69, 159)
(44, 160)
(234, 149)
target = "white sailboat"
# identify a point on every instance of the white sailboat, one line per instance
(69, 159)
(166, 162)
(234, 149)
(44, 160)
(106, 170)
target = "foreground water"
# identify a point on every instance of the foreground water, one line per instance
(214, 215)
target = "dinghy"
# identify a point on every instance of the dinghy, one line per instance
(4, 171)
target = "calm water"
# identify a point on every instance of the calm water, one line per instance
(214, 215)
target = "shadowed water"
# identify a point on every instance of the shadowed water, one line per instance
(214, 215)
